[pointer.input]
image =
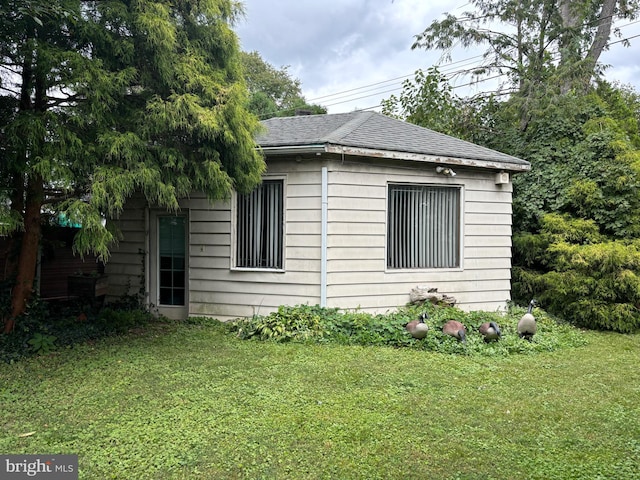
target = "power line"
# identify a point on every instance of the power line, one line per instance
(403, 77)
(444, 69)
(345, 95)
(623, 39)
(457, 72)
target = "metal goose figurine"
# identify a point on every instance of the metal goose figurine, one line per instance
(527, 325)
(455, 329)
(417, 328)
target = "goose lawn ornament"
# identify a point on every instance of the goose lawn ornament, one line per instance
(417, 328)
(527, 325)
(456, 329)
(490, 331)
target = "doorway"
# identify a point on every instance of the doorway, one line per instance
(169, 265)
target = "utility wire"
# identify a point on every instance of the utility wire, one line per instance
(444, 69)
(345, 95)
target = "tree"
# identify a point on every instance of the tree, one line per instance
(104, 99)
(273, 92)
(535, 39)
(428, 100)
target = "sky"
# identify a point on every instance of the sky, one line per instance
(351, 54)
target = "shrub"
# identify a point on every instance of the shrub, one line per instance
(287, 323)
(46, 327)
(591, 285)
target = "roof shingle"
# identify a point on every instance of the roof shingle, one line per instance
(375, 131)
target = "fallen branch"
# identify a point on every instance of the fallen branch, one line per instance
(424, 293)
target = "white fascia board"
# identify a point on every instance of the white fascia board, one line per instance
(418, 157)
(294, 149)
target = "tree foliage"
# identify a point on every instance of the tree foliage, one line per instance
(576, 214)
(104, 99)
(273, 92)
(577, 273)
(530, 42)
(428, 100)
(584, 155)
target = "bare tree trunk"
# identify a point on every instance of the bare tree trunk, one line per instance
(28, 257)
(605, 21)
(571, 55)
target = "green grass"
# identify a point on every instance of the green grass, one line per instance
(191, 401)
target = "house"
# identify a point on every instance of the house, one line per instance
(355, 210)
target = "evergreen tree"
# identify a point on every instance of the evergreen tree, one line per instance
(102, 99)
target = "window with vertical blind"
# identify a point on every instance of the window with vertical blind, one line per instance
(260, 227)
(423, 227)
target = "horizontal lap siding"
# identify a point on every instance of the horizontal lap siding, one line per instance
(219, 291)
(356, 246)
(126, 263)
(357, 275)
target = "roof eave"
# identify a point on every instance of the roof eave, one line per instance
(294, 149)
(376, 153)
(435, 159)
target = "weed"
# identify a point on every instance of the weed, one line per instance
(42, 343)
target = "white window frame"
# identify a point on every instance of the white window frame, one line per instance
(236, 233)
(430, 266)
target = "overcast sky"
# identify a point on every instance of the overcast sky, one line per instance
(350, 54)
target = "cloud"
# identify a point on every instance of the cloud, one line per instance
(336, 46)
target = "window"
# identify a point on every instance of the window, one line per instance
(172, 254)
(423, 227)
(260, 229)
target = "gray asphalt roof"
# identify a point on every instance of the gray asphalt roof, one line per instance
(373, 130)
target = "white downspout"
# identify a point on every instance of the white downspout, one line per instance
(323, 251)
(147, 257)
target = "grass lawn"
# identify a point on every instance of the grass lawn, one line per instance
(194, 402)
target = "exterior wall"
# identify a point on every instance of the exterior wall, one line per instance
(127, 262)
(357, 239)
(356, 246)
(215, 288)
(218, 290)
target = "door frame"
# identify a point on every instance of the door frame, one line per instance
(174, 312)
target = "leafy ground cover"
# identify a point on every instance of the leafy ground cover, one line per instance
(331, 325)
(193, 401)
(47, 327)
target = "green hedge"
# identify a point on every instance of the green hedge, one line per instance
(579, 275)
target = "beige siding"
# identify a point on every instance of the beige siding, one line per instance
(357, 244)
(357, 276)
(126, 264)
(219, 291)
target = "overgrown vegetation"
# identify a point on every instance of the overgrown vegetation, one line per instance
(576, 214)
(189, 401)
(331, 325)
(49, 327)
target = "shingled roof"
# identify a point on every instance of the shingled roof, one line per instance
(376, 135)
